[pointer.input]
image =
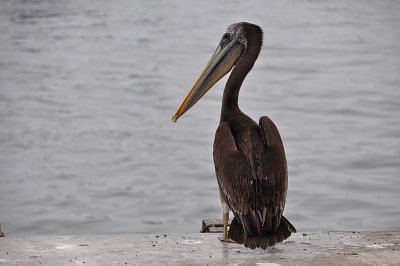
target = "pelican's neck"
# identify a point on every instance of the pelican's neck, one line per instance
(230, 108)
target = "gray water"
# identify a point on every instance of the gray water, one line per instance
(87, 89)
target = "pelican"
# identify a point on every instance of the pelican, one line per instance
(249, 157)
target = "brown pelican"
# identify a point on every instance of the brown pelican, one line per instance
(249, 158)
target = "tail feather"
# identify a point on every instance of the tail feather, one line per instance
(237, 234)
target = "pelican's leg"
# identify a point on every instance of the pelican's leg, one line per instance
(225, 220)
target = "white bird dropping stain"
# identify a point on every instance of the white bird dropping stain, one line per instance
(65, 247)
(191, 242)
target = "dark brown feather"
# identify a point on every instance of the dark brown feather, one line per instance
(284, 230)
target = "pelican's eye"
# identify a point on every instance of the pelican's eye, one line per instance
(226, 38)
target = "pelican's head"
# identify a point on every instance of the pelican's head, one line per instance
(229, 50)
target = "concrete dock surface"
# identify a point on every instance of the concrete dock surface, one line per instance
(308, 248)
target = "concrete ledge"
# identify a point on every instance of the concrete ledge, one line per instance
(309, 248)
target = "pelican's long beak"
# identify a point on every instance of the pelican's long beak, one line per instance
(221, 62)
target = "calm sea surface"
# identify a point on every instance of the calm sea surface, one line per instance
(87, 89)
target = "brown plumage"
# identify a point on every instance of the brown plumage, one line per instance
(249, 158)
